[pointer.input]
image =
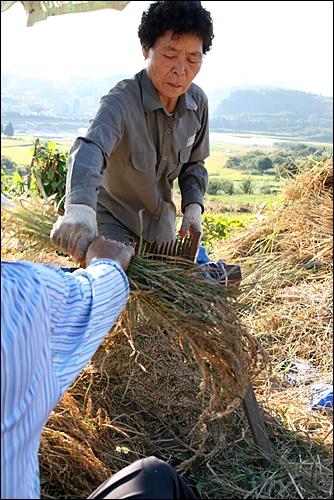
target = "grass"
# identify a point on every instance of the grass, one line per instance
(240, 201)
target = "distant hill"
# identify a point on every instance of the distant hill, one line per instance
(274, 101)
(216, 96)
(58, 108)
(273, 111)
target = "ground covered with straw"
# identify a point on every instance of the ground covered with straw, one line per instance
(161, 384)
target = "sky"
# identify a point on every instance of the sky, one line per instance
(278, 43)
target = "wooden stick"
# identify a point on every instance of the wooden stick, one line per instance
(256, 425)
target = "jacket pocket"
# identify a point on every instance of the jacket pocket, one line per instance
(142, 169)
(183, 157)
(145, 161)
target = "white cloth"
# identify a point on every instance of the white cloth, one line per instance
(39, 11)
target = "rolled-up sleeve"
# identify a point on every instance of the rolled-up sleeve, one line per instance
(82, 311)
(89, 156)
(75, 310)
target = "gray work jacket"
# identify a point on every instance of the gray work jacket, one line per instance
(135, 149)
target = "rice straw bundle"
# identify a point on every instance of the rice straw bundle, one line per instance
(173, 294)
(291, 308)
(26, 227)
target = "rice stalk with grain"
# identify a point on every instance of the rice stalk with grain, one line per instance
(174, 295)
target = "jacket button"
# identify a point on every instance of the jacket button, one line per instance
(165, 157)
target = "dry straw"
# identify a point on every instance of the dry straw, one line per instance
(174, 295)
(157, 383)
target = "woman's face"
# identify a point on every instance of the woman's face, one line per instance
(172, 64)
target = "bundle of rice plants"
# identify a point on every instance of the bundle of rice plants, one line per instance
(25, 228)
(173, 294)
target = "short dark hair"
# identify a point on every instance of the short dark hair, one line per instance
(179, 17)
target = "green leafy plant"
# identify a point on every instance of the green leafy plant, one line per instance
(46, 175)
(49, 166)
(15, 186)
(220, 185)
(216, 227)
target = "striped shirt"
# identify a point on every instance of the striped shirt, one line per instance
(52, 323)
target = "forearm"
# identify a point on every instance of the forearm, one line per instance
(193, 181)
(89, 155)
(85, 173)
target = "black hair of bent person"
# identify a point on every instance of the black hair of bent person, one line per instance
(178, 16)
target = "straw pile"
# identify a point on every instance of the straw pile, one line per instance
(148, 390)
(292, 250)
(291, 309)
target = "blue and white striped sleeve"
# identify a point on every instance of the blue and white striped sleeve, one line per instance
(84, 305)
(52, 323)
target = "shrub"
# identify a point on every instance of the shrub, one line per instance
(220, 185)
(264, 163)
(247, 186)
(228, 187)
(214, 186)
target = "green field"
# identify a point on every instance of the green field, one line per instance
(20, 148)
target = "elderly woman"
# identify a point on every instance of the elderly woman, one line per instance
(148, 131)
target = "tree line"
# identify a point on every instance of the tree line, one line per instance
(275, 111)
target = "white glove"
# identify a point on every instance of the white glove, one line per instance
(74, 231)
(192, 220)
